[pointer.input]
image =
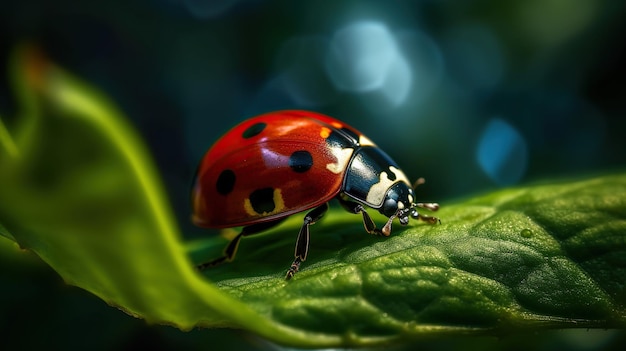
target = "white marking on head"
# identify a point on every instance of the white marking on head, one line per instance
(410, 198)
(377, 192)
(400, 205)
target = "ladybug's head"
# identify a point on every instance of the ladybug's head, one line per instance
(400, 203)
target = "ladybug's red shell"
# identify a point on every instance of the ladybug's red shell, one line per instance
(272, 166)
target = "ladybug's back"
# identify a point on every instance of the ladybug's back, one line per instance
(272, 166)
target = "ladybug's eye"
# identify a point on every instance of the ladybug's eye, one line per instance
(390, 207)
(414, 214)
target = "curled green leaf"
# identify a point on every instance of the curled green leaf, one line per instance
(79, 190)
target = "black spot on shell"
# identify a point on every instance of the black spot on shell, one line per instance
(301, 161)
(225, 182)
(391, 175)
(253, 130)
(262, 200)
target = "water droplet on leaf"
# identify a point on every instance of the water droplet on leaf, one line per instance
(526, 233)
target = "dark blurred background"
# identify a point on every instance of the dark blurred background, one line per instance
(472, 95)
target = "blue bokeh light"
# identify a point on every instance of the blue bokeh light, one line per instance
(398, 82)
(360, 56)
(502, 152)
(426, 60)
(364, 57)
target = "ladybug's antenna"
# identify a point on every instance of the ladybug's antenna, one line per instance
(418, 182)
(431, 206)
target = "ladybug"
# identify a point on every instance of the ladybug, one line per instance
(280, 163)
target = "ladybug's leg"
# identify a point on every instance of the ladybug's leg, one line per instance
(423, 217)
(302, 243)
(428, 219)
(231, 249)
(368, 223)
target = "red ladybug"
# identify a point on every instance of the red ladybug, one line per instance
(281, 163)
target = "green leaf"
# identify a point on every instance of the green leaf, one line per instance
(79, 190)
(5, 233)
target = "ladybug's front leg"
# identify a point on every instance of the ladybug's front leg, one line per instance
(368, 223)
(302, 243)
